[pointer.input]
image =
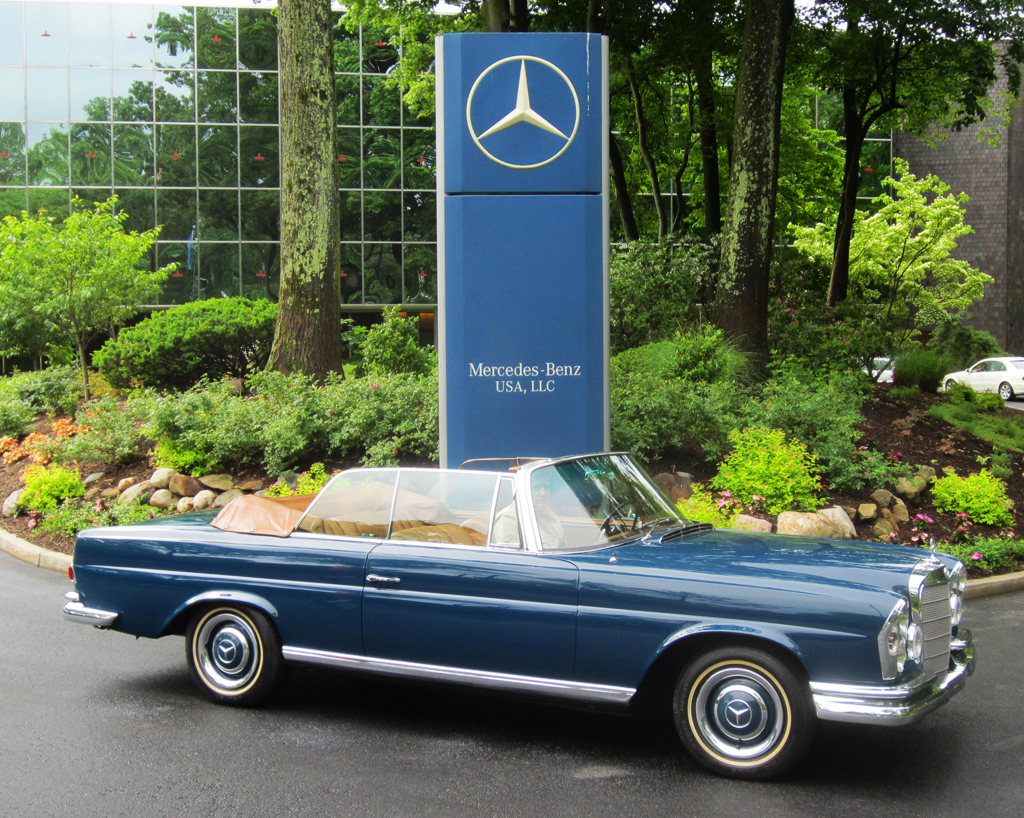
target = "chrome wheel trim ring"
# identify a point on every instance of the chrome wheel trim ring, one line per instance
(1008, 390)
(228, 652)
(759, 720)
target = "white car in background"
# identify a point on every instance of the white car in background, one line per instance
(1002, 375)
(882, 370)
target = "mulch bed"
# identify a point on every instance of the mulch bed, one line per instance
(890, 426)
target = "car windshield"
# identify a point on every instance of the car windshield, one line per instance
(591, 502)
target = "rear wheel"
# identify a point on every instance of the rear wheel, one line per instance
(949, 384)
(234, 654)
(743, 713)
(1005, 391)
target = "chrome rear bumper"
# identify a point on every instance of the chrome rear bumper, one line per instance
(75, 611)
(864, 704)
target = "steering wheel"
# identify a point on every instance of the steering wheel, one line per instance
(613, 530)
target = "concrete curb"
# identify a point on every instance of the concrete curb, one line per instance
(54, 561)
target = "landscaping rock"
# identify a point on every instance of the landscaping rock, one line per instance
(95, 477)
(883, 528)
(907, 490)
(10, 508)
(204, 499)
(920, 482)
(850, 512)
(807, 524)
(162, 498)
(866, 512)
(882, 498)
(125, 484)
(927, 472)
(675, 485)
(744, 522)
(139, 491)
(185, 486)
(185, 505)
(110, 493)
(842, 521)
(218, 482)
(251, 485)
(899, 511)
(92, 493)
(161, 478)
(225, 498)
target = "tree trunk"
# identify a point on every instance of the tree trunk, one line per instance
(839, 286)
(496, 14)
(622, 200)
(707, 126)
(641, 142)
(84, 365)
(741, 303)
(307, 337)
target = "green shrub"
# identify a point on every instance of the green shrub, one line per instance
(114, 435)
(1005, 429)
(221, 337)
(16, 416)
(988, 556)
(46, 488)
(921, 368)
(701, 507)
(962, 345)
(784, 475)
(74, 516)
(392, 347)
(53, 390)
(309, 482)
(652, 286)
(982, 497)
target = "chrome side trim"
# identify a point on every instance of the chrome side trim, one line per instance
(580, 691)
(901, 704)
(77, 612)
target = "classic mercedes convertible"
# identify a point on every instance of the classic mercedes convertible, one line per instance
(571, 577)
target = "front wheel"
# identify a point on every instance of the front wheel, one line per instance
(949, 384)
(1005, 391)
(234, 654)
(743, 713)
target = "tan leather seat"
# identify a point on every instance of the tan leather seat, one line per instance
(448, 533)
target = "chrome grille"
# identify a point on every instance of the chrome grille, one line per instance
(935, 623)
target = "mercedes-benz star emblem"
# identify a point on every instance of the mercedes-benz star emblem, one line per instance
(738, 714)
(523, 113)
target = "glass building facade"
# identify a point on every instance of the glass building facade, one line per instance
(175, 110)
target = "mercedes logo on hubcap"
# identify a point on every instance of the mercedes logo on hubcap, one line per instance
(738, 714)
(522, 113)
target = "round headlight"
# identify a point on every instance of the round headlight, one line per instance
(957, 587)
(956, 609)
(915, 643)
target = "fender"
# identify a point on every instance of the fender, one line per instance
(241, 597)
(768, 633)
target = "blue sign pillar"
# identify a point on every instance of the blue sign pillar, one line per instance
(523, 245)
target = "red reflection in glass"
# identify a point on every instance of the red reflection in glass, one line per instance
(215, 39)
(90, 155)
(132, 37)
(261, 274)
(176, 274)
(381, 44)
(259, 157)
(5, 155)
(342, 158)
(175, 155)
(45, 34)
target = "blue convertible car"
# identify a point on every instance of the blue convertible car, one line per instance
(571, 578)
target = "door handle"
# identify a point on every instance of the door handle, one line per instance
(383, 580)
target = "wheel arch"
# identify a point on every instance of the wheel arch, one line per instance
(178, 623)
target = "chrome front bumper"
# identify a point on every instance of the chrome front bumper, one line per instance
(75, 611)
(864, 704)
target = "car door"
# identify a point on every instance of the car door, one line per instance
(470, 607)
(980, 378)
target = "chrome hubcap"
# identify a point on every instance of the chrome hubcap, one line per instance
(228, 651)
(739, 712)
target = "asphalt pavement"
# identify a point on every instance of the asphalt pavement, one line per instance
(96, 723)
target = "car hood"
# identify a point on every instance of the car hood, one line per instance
(768, 559)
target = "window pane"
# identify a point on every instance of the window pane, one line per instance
(874, 167)
(215, 38)
(54, 200)
(175, 96)
(90, 155)
(382, 273)
(381, 102)
(347, 91)
(133, 154)
(12, 94)
(420, 274)
(382, 216)
(90, 94)
(420, 158)
(354, 504)
(260, 214)
(350, 215)
(258, 157)
(12, 43)
(12, 154)
(382, 158)
(46, 33)
(91, 196)
(12, 202)
(91, 44)
(218, 156)
(261, 270)
(257, 39)
(218, 270)
(218, 96)
(174, 37)
(176, 211)
(133, 36)
(346, 49)
(138, 204)
(48, 94)
(420, 216)
(349, 158)
(379, 55)
(133, 96)
(47, 154)
(182, 285)
(218, 215)
(258, 97)
(176, 155)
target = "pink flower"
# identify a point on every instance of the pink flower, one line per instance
(375, 386)
(976, 556)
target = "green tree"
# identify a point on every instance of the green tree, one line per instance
(900, 256)
(81, 276)
(306, 338)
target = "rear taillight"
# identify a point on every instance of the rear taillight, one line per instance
(71, 573)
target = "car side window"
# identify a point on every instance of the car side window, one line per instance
(443, 507)
(505, 529)
(354, 504)
(982, 367)
(996, 366)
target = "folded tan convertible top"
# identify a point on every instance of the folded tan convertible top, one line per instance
(272, 516)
